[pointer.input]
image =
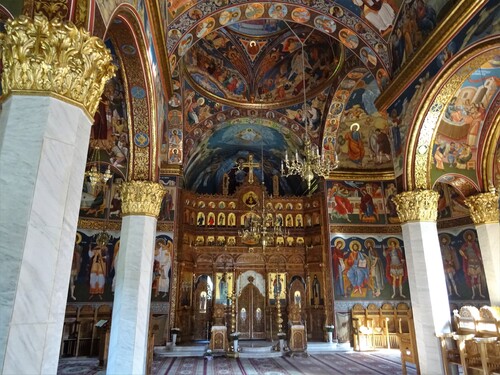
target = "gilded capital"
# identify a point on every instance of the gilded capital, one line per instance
(41, 55)
(141, 198)
(418, 205)
(484, 207)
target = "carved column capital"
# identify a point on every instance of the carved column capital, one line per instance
(418, 205)
(141, 198)
(483, 207)
(54, 57)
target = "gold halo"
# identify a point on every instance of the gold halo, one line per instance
(471, 232)
(444, 235)
(355, 125)
(370, 241)
(78, 238)
(339, 240)
(355, 242)
(393, 239)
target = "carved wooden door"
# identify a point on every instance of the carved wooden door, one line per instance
(251, 317)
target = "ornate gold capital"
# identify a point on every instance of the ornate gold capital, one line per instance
(141, 198)
(418, 205)
(483, 207)
(54, 57)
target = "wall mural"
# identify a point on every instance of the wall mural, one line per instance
(451, 201)
(456, 143)
(93, 267)
(463, 265)
(369, 268)
(365, 137)
(402, 111)
(361, 202)
(414, 24)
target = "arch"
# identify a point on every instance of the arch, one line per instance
(127, 33)
(433, 105)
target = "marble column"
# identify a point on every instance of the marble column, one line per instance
(417, 212)
(128, 344)
(485, 214)
(44, 133)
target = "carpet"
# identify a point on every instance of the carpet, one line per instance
(350, 363)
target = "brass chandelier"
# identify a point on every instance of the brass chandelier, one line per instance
(309, 163)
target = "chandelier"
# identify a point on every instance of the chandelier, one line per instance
(309, 163)
(94, 174)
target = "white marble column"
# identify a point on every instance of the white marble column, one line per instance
(485, 214)
(128, 343)
(43, 147)
(429, 298)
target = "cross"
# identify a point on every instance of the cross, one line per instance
(250, 165)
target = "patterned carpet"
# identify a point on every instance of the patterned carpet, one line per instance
(372, 363)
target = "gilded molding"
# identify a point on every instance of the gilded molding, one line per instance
(141, 198)
(353, 175)
(54, 57)
(456, 19)
(418, 205)
(365, 229)
(483, 207)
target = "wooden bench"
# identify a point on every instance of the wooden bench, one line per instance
(375, 327)
(475, 343)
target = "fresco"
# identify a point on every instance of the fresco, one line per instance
(369, 268)
(93, 267)
(167, 209)
(361, 202)
(404, 108)
(365, 138)
(463, 265)
(106, 7)
(238, 138)
(415, 22)
(451, 201)
(184, 31)
(222, 68)
(456, 143)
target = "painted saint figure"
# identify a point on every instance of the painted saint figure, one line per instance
(450, 264)
(376, 269)
(357, 273)
(97, 271)
(339, 266)
(395, 269)
(472, 263)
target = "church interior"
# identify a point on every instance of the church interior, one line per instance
(209, 173)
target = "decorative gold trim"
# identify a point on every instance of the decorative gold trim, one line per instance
(355, 175)
(54, 56)
(418, 205)
(99, 224)
(436, 100)
(161, 50)
(484, 207)
(280, 104)
(454, 21)
(364, 229)
(172, 169)
(141, 198)
(489, 151)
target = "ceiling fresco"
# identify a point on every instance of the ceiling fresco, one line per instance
(231, 144)
(239, 78)
(223, 68)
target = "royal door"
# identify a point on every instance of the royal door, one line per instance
(251, 311)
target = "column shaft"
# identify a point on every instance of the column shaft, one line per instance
(429, 298)
(488, 236)
(43, 146)
(130, 321)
